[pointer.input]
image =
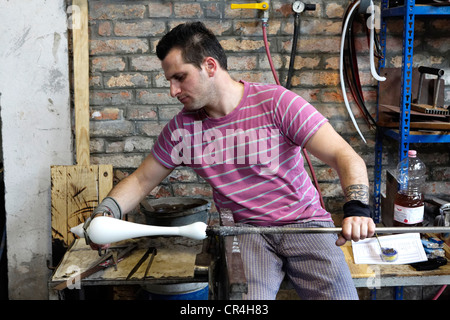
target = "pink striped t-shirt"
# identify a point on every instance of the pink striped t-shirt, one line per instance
(251, 157)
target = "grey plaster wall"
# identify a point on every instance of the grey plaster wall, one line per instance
(36, 133)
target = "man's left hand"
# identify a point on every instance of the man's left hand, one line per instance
(356, 228)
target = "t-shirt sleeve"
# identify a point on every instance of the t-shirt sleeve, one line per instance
(163, 149)
(297, 119)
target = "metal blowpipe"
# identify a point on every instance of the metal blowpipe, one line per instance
(104, 230)
(233, 231)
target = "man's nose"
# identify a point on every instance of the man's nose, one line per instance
(174, 89)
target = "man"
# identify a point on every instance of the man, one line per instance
(245, 140)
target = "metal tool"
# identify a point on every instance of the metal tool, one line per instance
(153, 252)
(150, 263)
(429, 109)
(387, 254)
(111, 258)
(105, 230)
(233, 231)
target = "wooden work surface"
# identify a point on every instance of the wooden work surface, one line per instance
(393, 275)
(175, 260)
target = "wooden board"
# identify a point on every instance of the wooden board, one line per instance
(81, 80)
(76, 191)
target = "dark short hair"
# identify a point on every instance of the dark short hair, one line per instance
(196, 43)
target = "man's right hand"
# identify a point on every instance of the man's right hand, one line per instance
(95, 246)
(108, 207)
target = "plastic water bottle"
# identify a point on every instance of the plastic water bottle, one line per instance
(409, 203)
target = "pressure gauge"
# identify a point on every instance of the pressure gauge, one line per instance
(298, 6)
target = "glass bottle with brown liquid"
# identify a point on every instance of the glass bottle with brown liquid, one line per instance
(409, 200)
(408, 209)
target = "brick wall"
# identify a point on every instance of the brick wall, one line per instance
(130, 101)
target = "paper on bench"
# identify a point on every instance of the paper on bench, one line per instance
(408, 246)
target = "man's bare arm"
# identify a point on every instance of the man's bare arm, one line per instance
(329, 147)
(130, 191)
(357, 192)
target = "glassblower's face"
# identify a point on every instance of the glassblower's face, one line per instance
(188, 84)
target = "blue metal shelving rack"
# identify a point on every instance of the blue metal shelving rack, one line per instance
(408, 11)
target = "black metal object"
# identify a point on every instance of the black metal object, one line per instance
(429, 109)
(152, 251)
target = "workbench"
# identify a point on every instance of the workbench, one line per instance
(176, 261)
(376, 276)
(181, 260)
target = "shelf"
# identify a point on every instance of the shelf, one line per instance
(404, 133)
(418, 137)
(424, 10)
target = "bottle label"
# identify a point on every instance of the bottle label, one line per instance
(408, 215)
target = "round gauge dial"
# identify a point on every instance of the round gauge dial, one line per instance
(298, 6)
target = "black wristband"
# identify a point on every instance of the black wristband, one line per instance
(355, 208)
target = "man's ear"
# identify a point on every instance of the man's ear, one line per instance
(210, 65)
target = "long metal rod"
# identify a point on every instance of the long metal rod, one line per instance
(233, 231)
